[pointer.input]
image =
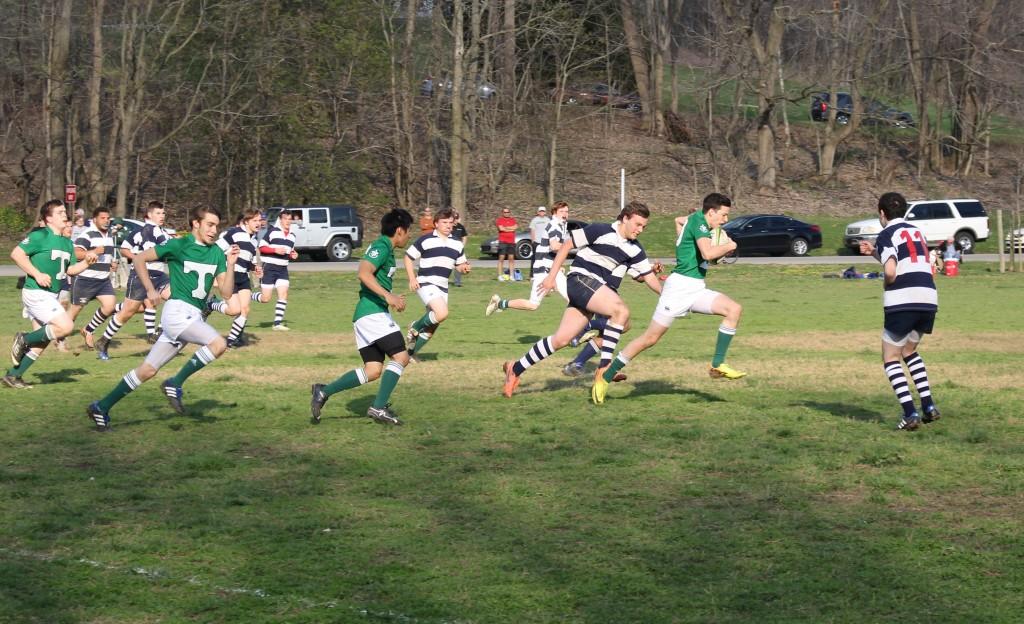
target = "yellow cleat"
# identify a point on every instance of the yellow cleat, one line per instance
(723, 370)
(599, 390)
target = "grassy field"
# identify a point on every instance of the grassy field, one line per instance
(782, 497)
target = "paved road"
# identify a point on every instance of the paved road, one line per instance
(9, 270)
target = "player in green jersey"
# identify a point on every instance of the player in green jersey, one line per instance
(685, 292)
(195, 264)
(377, 334)
(44, 255)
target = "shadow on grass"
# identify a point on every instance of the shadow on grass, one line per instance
(528, 339)
(844, 410)
(648, 388)
(66, 375)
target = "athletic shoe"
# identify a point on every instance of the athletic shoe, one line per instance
(573, 370)
(724, 371)
(174, 394)
(511, 379)
(599, 390)
(101, 348)
(931, 415)
(15, 382)
(152, 338)
(317, 402)
(383, 415)
(410, 339)
(233, 343)
(492, 305)
(585, 337)
(90, 340)
(18, 348)
(910, 422)
(98, 416)
(280, 327)
(503, 278)
(619, 377)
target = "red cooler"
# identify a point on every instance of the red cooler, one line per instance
(952, 268)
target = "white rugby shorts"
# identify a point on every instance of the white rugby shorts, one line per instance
(372, 327)
(41, 305)
(537, 298)
(429, 292)
(681, 295)
(183, 322)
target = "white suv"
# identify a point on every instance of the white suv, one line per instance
(939, 219)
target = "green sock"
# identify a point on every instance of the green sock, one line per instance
(37, 338)
(352, 379)
(420, 341)
(199, 359)
(388, 381)
(28, 360)
(423, 322)
(725, 335)
(120, 391)
(616, 365)
(503, 305)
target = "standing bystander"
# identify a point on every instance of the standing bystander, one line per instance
(506, 225)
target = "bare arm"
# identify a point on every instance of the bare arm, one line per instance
(82, 265)
(680, 224)
(709, 251)
(367, 278)
(652, 281)
(227, 278)
(889, 270)
(556, 266)
(410, 271)
(139, 262)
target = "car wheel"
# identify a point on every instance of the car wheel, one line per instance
(524, 250)
(798, 247)
(966, 241)
(339, 250)
(842, 119)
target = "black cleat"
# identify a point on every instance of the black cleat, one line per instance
(317, 403)
(152, 338)
(98, 416)
(383, 415)
(18, 348)
(174, 394)
(101, 348)
(909, 422)
(931, 415)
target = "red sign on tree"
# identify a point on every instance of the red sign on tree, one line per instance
(70, 193)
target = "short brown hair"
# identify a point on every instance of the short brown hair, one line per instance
(635, 208)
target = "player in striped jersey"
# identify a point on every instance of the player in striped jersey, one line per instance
(241, 235)
(607, 252)
(438, 253)
(910, 302)
(151, 235)
(555, 234)
(277, 249)
(94, 282)
(45, 257)
(377, 334)
(195, 264)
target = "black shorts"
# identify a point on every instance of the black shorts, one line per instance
(390, 345)
(506, 249)
(900, 324)
(272, 273)
(135, 291)
(581, 289)
(242, 282)
(85, 289)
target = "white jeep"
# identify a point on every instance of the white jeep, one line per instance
(324, 231)
(964, 220)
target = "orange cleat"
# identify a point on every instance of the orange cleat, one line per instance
(511, 379)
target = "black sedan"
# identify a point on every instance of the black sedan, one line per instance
(773, 234)
(524, 248)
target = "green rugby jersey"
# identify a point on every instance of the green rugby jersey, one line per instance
(192, 267)
(381, 254)
(50, 253)
(689, 261)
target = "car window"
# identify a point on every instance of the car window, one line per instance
(970, 209)
(777, 223)
(755, 223)
(317, 215)
(341, 215)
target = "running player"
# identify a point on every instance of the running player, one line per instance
(44, 255)
(607, 251)
(377, 334)
(277, 249)
(555, 233)
(684, 291)
(241, 235)
(438, 253)
(151, 235)
(196, 263)
(94, 282)
(910, 302)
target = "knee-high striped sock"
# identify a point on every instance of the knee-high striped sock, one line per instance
(199, 359)
(237, 327)
(26, 362)
(118, 307)
(537, 352)
(97, 320)
(894, 371)
(725, 335)
(113, 327)
(609, 340)
(352, 379)
(256, 297)
(915, 365)
(128, 383)
(388, 381)
(279, 311)
(149, 318)
(588, 351)
(219, 305)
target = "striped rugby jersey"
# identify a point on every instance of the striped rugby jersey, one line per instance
(148, 237)
(276, 246)
(914, 287)
(90, 239)
(556, 229)
(606, 256)
(437, 256)
(246, 247)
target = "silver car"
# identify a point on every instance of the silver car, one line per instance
(524, 245)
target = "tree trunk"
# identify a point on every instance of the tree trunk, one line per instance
(57, 95)
(968, 110)
(457, 165)
(641, 71)
(508, 55)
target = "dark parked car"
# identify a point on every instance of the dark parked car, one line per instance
(600, 94)
(873, 111)
(484, 89)
(773, 234)
(524, 246)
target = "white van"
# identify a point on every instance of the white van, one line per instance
(939, 219)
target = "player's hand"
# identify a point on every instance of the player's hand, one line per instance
(463, 268)
(153, 294)
(867, 248)
(44, 280)
(414, 284)
(90, 257)
(293, 255)
(397, 302)
(547, 285)
(259, 271)
(657, 267)
(232, 255)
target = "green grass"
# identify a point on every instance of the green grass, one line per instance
(782, 497)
